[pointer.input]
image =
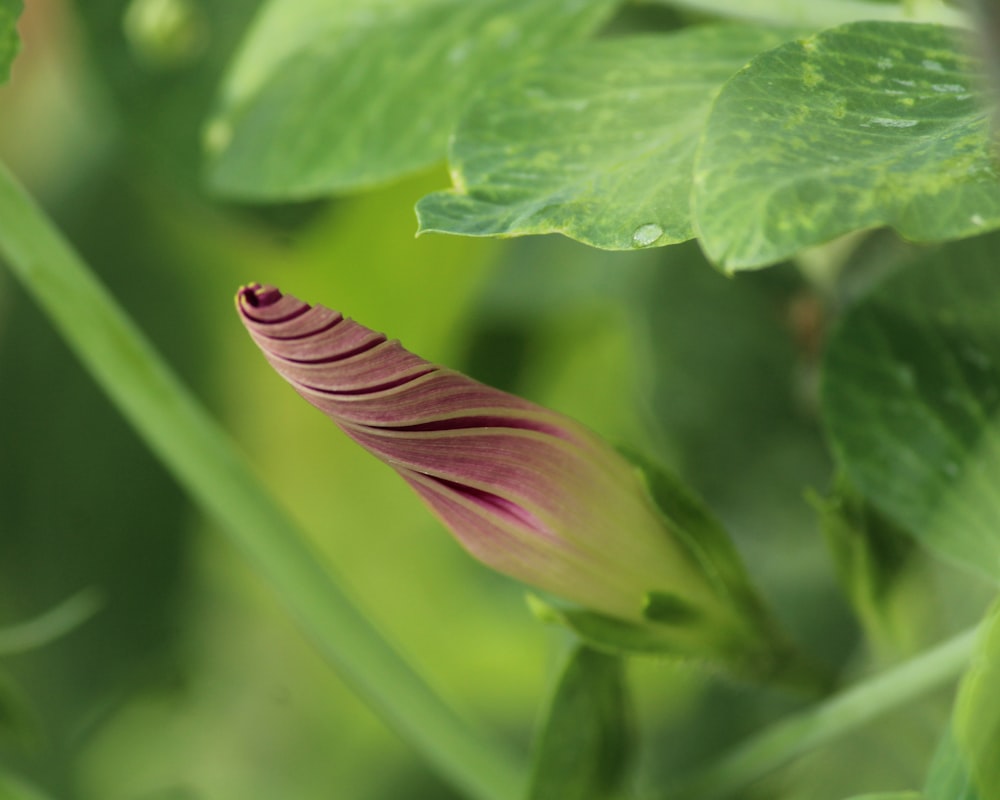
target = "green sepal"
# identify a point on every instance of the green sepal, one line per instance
(601, 632)
(752, 646)
(703, 536)
(685, 641)
(669, 609)
(586, 740)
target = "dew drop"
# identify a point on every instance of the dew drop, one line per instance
(647, 234)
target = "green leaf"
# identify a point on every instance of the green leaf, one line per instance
(871, 555)
(823, 15)
(10, 42)
(977, 711)
(869, 124)
(331, 97)
(911, 398)
(585, 746)
(888, 796)
(596, 142)
(948, 777)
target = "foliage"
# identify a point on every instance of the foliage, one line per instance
(832, 333)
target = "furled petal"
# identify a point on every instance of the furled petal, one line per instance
(526, 490)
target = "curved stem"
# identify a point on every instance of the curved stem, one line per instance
(841, 713)
(204, 461)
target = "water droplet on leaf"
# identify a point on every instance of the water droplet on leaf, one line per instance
(647, 234)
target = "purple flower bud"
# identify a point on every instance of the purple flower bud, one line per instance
(526, 490)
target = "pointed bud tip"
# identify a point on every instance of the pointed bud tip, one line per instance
(257, 295)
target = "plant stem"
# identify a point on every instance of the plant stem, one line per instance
(204, 461)
(810, 13)
(841, 713)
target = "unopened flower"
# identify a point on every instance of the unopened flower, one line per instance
(526, 490)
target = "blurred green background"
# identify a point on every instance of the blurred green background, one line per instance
(190, 682)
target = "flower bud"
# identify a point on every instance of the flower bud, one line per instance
(526, 490)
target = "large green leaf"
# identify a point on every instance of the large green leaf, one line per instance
(869, 124)
(596, 142)
(327, 97)
(912, 396)
(823, 14)
(10, 10)
(977, 712)
(586, 741)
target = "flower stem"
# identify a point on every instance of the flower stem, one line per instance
(204, 461)
(841, 713)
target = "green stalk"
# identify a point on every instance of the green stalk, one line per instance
(843, 712)
(205, 462)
